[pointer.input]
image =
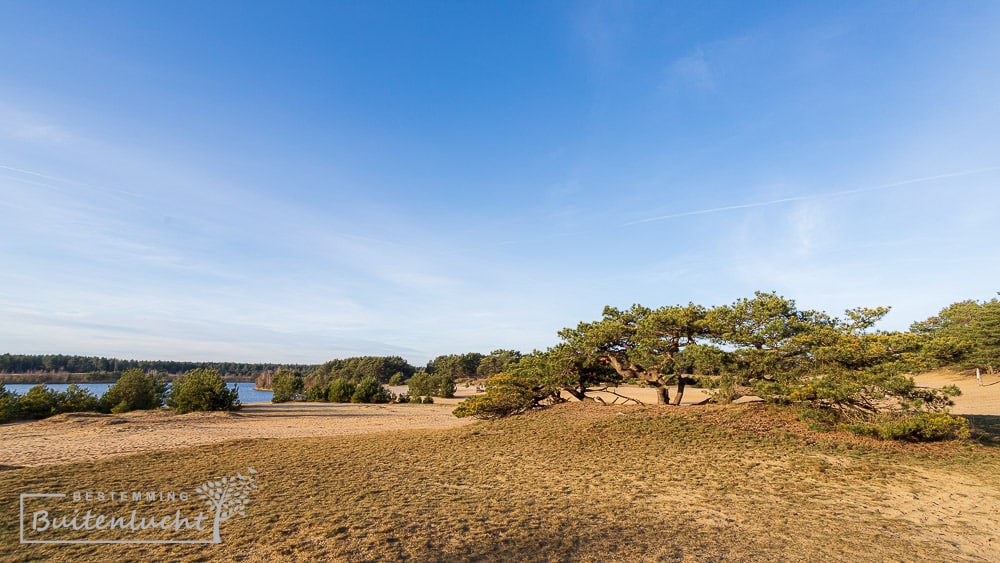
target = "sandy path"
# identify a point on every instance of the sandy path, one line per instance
(86, 436)
(974, 399)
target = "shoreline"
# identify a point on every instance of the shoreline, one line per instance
(74, 437)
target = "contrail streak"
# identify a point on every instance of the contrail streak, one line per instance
(65, 181)
(815, 196)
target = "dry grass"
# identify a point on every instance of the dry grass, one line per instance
(578, 482)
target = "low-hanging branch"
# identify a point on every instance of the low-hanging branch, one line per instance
(625, 399)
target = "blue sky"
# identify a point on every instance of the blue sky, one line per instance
(298, 181)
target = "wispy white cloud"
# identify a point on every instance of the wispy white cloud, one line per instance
(31, 128)
(801, 198)
(691, 72)
(602, 28)
(281, 225)
(168, 251)
(809, 228)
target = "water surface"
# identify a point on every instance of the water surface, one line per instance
(245, 390)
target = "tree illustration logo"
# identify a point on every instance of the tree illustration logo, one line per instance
(227, 497)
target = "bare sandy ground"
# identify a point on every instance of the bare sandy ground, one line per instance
(647, 395)
(84, 436)
(975, 399)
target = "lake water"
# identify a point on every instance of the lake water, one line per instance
(247, 394)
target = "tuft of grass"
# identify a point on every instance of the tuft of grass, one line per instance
(918, 427)
(575, 482)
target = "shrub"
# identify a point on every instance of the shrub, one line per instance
(287, 386)
(369, 390)
(316, 392)
(202, 389)
(428, 400)
(505, 395)
(446, 388)
(419, 384)
(77, 399)
(432, 384)
(39, 402)
(134, 390)
(8, 405)
(340, 390)
(396, 379)
(914, 427)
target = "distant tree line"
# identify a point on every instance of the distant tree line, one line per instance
(392, 370)
(472, 365)
(111, 368)
(349, 380)
(360, 379)
(379, 368)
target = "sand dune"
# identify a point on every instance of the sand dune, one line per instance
(86, 436)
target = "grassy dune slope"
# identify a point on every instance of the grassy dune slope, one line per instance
(576, 482)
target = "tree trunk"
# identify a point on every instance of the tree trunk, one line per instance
(662, 395)
(216, 537)
(681, 382)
